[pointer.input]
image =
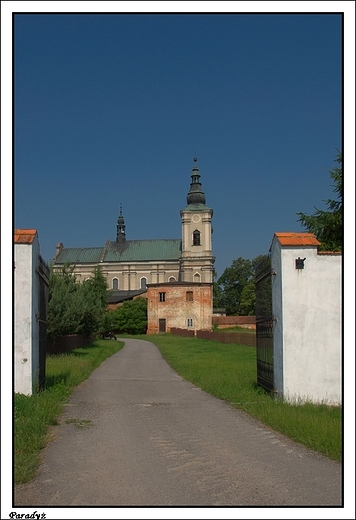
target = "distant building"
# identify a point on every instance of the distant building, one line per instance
(180, 305)
(133, 265)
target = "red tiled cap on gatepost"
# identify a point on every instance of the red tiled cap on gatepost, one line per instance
(297, 239)
(24, 236)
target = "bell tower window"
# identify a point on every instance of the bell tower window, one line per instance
(196, 238)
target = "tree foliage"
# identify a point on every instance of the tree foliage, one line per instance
(235, 289)
(327, 225)
(129, 318)
(76, 307)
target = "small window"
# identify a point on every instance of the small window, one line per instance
(196, 238)
(143, 283)
(197, 277)
(190, 322)
(115, 284)
(162, 296)
(189, 296)
(172, 279)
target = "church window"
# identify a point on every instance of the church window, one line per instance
(143, 283)
(162, 296)
(196, 238)
(115, 284)
(172, 279)
(189, 296)
(197, 278)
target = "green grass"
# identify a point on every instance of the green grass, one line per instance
(33, 415)
(229, 373)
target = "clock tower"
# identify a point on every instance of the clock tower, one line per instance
(197, 261)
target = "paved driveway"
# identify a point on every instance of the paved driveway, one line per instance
(136, 434)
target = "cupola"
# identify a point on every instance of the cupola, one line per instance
(196, 194)
(120, 228)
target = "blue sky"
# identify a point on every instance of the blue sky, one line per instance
(111, 109)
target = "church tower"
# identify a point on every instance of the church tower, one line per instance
(120, 228)
(197, 261)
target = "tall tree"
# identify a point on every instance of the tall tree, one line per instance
(235, 289)
(94, 293)
(327, 225)
(76, 307)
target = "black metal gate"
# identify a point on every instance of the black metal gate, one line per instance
(264, 325)
(43, 285)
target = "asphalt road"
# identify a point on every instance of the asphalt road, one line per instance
(136, 434)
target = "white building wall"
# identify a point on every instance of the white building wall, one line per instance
(307, 335)
(26, 333)
(197, 259)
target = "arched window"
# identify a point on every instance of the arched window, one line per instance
(115, 284)
(143, 283)
(197, 277)
(196, 238)
(172, 279)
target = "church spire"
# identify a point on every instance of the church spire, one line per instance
(195, 195)
(120, 228)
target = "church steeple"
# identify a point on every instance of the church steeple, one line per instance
(120, 228)
(196, 194)
(197, 261)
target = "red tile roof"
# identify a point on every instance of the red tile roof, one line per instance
(297, 239)
(24, 236)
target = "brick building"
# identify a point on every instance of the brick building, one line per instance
(179, 305)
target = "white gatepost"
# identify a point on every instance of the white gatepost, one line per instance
(26, 311)
(306, 303)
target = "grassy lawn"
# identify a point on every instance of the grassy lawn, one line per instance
(229, 373)
(226, 371)
(34, 414)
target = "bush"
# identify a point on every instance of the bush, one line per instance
(129, 318)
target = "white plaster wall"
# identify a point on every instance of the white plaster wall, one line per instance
(26, 333)
(307, 339)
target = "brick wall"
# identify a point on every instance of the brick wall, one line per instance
(224, 322)
(177, 308)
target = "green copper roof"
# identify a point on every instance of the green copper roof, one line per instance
(76, 255)
(129, 251)
(143, 250)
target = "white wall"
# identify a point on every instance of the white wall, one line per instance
(26, 325)
(307, 335)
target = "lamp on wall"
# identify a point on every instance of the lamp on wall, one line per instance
(299, 263)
